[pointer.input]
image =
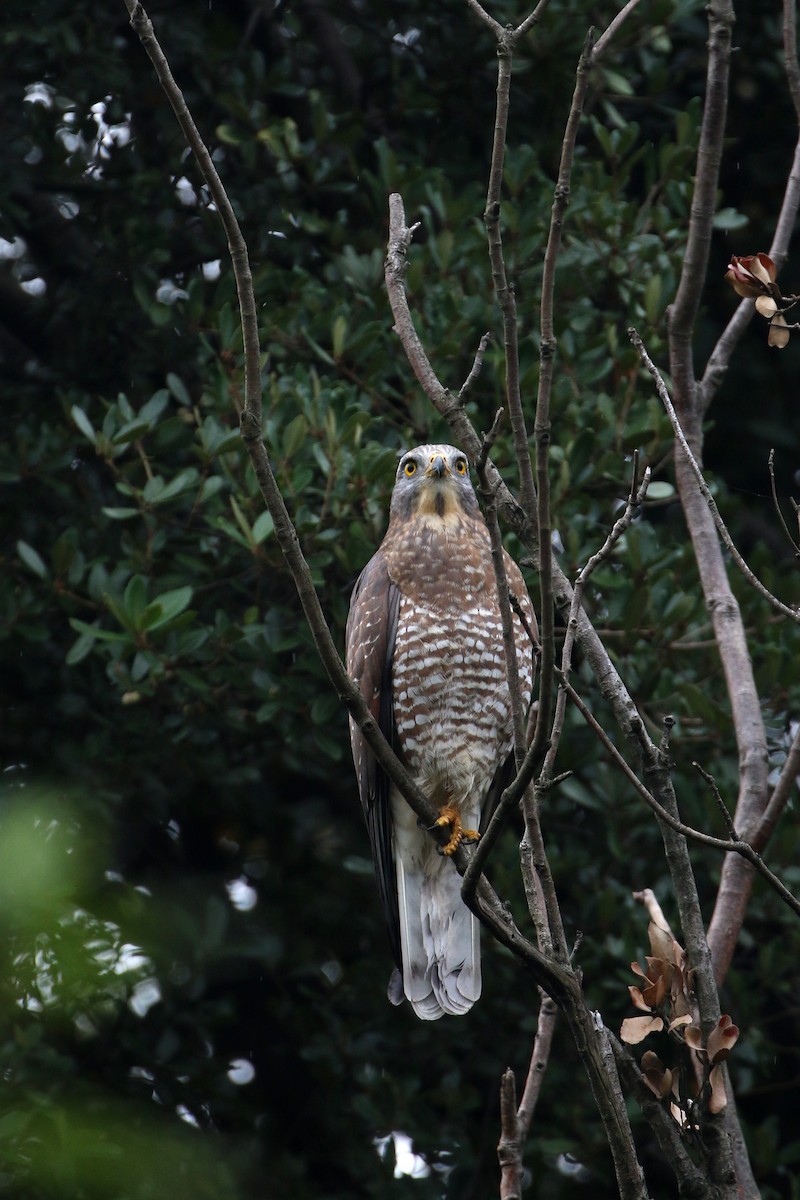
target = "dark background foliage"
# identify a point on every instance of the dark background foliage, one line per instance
(192, 964)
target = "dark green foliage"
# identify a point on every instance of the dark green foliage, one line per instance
(183, 874)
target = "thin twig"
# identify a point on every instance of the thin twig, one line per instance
(454, 412)
(636, 497)
(603, 42)
(502, 287)
(480, 11)
(545, 1028)
(742, 848)
(782, 792)
(720, 803)
(547, 351)
(664, 396)
(709, 156)
(538, 908)
(475, 370)
(508, 1148)
(790, 63)
(531, 20)
(776, 503)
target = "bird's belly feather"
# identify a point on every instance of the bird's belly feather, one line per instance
(451, 701)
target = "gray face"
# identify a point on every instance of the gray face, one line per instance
(433, 481)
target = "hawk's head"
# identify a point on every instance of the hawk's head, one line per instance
(433, 482)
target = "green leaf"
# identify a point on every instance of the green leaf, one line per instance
(618, 82)
(230, 529)
(101, 635)
(242, 522)
(263, 526)
(80, 649)
(154, 407)
(120, 514)
(210, 487)
(652, 299)
(153, 489)
(32, 559)
(84, 424)
(134, 599)
(130, 432)
(294, 435)
(660, 490)
(181, 483)
(315, 346)
(229, 135)
(338, 335)
(165, 608)
(178, 389)
(730, 218)
(63, 553)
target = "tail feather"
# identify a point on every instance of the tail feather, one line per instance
(439, 937)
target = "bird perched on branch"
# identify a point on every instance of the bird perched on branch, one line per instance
(425, 646)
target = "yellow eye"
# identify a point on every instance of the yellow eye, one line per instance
(410, 468)
(461, 466)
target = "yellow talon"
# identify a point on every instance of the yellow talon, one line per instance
(449, 815)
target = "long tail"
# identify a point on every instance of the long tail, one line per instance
(439, 936)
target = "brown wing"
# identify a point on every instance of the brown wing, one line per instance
(370, 638)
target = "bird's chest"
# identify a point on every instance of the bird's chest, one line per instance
(451, 704)
(452, 709)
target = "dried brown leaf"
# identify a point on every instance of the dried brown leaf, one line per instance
(718, 1099)
(636, 1029)
(693, 1037)
(778, 332)
(722, 1039)
(661, 943)
(638, 999)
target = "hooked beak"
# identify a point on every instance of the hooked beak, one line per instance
(438, 466)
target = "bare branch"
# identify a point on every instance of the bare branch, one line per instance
(694, 1181)
(515, 1122)
(709, 157)
(503, 290)
(547, 351)
(531, 20)
(776, 504)
(624, 521)
(790, 63)
(753, 580)
(540, 1057)
(720, 358)
(487, 441)
(477, 366)
(720, 803)
(740, 847)
(451, 409)
(782, 792)
(400, 237)
(608, 34)
(481, 13)
(509, 1154)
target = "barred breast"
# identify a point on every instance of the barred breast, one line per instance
(451, 700)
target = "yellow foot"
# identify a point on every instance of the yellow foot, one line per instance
(449, 815)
